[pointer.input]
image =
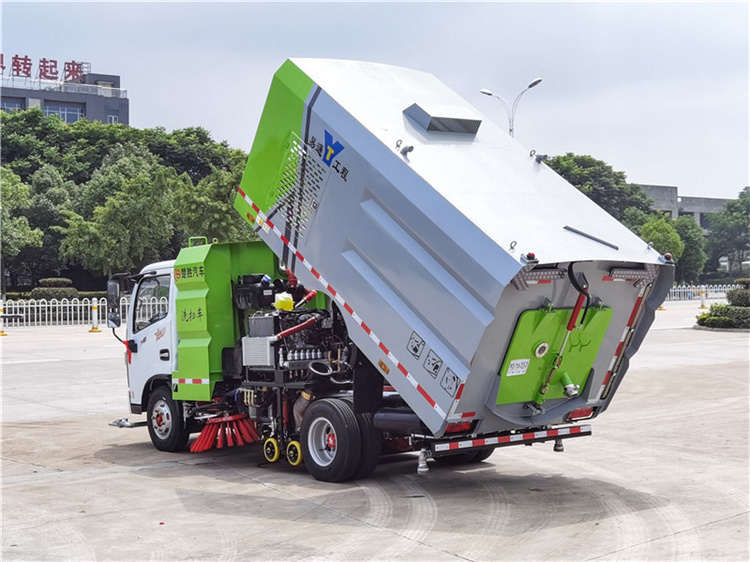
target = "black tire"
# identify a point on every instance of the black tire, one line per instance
(330, 440)
(483, 454)
(456, 458)
(372, 444)
(166, 426)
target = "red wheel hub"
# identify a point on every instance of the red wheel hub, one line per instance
(331, 441)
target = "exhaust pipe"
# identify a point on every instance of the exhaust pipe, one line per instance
(319, 368)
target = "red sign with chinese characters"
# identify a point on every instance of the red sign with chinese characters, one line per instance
(47, 69)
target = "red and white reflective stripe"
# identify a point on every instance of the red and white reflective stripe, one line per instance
(515, 438)
(461, 417)
(268, 226)
(192, 381)
(608, 278)
(452, 416)
(626, 331)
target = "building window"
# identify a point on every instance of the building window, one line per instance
(10, 105)
(68, 113)
(113, 118)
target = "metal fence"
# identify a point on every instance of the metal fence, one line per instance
(693, 292)
(75, 312)
(91, 312)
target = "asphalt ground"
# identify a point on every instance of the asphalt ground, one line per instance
(664, 476)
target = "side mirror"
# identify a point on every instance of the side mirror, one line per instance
(113, 294)
(113, 319)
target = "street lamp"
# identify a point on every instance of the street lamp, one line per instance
(511, 110)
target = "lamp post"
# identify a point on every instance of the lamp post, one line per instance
(511, 110)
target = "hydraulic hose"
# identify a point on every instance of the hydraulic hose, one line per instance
(583, 290)
(294, 329)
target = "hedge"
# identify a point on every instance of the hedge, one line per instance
(101, 295)
(739, 297)
(738, 316)
(55, 282)
(50, 293)
(744, 282)
(715, 321)
(17, 296)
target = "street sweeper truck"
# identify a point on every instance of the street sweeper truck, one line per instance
(421, 283)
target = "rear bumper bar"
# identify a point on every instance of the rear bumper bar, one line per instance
(506, 439)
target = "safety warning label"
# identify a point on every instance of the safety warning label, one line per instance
(433, 364)
(450, 382)
(415, 345)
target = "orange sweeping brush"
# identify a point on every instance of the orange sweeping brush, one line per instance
(226, 431)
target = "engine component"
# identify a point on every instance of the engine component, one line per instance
(254, 292)
(261, 325)
(257, 353)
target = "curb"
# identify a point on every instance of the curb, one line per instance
(737, 330)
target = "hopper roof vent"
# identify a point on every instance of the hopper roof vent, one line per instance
(444, 119)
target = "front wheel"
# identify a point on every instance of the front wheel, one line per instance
(330, 440)
(166, 426)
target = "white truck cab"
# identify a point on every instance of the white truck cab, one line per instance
(150, 332)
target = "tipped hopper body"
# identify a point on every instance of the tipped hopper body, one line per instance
(455, 257)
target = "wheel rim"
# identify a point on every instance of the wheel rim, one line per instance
(271, 450)
(322, 439)
(161, 419)
(294, 453)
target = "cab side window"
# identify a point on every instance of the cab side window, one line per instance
(151, 302)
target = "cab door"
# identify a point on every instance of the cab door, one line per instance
(151, 333)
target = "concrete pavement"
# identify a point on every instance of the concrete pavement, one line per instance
(665, 475)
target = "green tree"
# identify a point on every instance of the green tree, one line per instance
(634, 218)
(131, 229)
(17, 234)
(729, 233)
(660, 232)
(191, 151)
(84, 174)
(122, 163)
(50, 196)
(692, 261)
(604, 186)
(91, 143)
(208, 208)
(31, 140)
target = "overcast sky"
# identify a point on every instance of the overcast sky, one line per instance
(657, 90)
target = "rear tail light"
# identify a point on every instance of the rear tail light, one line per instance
(581, 414)
(458, 427)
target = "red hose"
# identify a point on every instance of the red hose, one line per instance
(292, 281)
(576, 311)
(310, 295)
(294, 329)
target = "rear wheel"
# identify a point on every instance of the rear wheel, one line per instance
(372, 444)
(483, 454)
(466, 457)
(330, 440)
(457, 458)
(166, 426)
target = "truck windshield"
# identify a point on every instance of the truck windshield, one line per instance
(152, 302)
